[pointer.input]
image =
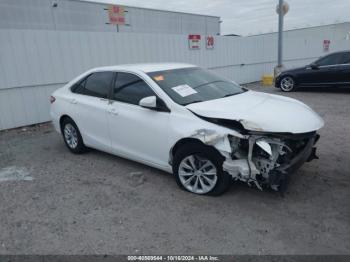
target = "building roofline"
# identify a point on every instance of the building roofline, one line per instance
(144, 8)
(301, 28)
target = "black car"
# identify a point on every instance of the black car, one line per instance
(330, 70)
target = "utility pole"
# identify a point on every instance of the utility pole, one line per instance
(281, 9)
(280, 33)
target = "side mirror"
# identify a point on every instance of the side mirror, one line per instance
(149, 102)
(313, 66)
(154, 103)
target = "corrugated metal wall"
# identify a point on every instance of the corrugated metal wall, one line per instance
(33, 63)
(86, 16)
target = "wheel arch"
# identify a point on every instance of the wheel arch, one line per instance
(293, 77)
(189, 141)
(62, 118)
(83, 147)
(223, 180)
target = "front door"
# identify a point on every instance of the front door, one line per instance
(136, 132)
(326, 71)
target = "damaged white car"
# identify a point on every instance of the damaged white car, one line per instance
(205, 129)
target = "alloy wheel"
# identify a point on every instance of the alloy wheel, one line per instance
(70, 135)
(287, 84)
(198, 175)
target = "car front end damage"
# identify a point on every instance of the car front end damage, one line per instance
(265, 138)
(263, 159)
(267, 160)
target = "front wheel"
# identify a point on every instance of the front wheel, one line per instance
(198, 169)
(287, 84)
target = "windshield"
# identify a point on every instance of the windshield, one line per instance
(192, 85)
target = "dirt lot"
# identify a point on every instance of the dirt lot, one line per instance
(101, 204)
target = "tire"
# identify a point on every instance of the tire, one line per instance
(211, 162)
(72, 137)
(287, 84)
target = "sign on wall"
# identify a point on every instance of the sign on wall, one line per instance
(209, 40)
(116, 15)
(194, 42)
(326, 44)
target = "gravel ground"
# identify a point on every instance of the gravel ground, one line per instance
(96, 203)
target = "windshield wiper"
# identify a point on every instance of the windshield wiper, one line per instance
(231, 94)
(192, 102)
(207, 83)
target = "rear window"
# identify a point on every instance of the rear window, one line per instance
(97, 84)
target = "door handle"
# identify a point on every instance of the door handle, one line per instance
(112, 111)
(73, 101)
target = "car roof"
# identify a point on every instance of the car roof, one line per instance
(145, 67)
(337, 52)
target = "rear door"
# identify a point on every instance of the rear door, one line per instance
(344, 69)
(89, 104)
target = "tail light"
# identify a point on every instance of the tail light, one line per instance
(52, 99)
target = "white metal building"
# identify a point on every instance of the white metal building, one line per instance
(41, 49)
(88, 16)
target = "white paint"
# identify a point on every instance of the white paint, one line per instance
(148, 102)
(14, 173)
(265, 146)
(262, 112)
(147, 136)
(144, 67)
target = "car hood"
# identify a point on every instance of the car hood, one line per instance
(258, 111)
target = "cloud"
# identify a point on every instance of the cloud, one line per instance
(254, 16)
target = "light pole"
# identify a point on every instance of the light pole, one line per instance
(280, 33)
(281, 9)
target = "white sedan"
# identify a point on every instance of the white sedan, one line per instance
(204, 129)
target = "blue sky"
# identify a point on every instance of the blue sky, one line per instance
(254, 16)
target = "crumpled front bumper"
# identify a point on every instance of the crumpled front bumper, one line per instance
(306, 155)
(279, 166)
(281, 174)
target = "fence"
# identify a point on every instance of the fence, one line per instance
(33, 63)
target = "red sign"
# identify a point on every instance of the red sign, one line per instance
(194, 41)
(326, 44)
(116, 15)
(209, 42)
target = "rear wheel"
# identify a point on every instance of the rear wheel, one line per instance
(198, 169)
(72, 136)
(287, 84)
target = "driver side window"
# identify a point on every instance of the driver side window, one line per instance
(130, 89)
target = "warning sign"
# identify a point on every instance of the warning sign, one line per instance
(194, 41)
(326, 44)
(209, 42)
(116, 15)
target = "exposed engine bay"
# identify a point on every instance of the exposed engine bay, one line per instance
(263, 159)
(267, 161)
